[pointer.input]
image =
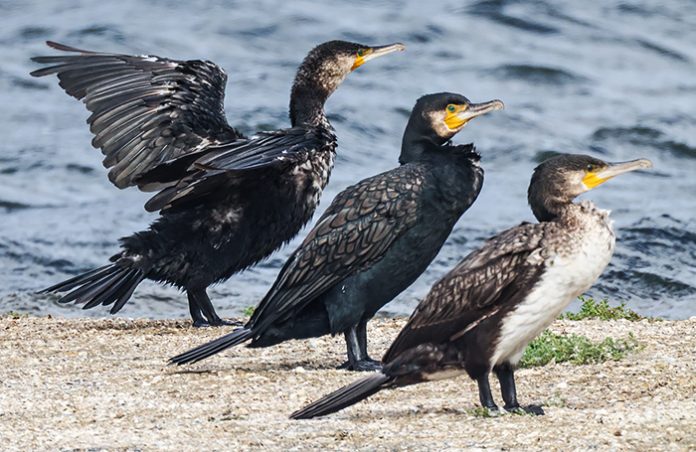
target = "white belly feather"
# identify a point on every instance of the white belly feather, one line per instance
(567, 276)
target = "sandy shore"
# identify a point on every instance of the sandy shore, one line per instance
(93, 384)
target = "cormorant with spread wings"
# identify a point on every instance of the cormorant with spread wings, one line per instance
(225, 201)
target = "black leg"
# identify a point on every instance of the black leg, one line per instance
(357, 353)
(196, 315)
(362, 341)
(352, 345)
(485, 395)
(206, 308)
(506, 377)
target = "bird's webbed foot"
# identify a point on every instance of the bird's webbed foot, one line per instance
(198, 323)
(203, 323)
(534, 410)
(223, 322)
(363, 365)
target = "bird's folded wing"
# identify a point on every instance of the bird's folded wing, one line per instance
(240, 165)
(145, 109)
(487, 280)
(356, 230)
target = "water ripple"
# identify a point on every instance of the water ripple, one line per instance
(536, 74)
(494, 10)
(614, 79)
(644, 136)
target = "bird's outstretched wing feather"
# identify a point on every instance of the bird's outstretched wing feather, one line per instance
(146, 110)
(478, 287)
(356, 230)
(241, 165)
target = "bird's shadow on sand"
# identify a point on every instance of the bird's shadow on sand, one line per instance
(465, 410)
(306, 365)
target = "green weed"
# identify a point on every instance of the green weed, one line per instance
(592, 309)
(578, 350)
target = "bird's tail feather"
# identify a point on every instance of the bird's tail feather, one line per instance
(236, 337)
(111, 284)
(344, 397)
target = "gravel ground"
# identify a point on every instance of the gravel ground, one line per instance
(103, 384)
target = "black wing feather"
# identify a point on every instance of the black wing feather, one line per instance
(356, 230)
(344, 397)
(478, 287)
(242, 163)
(145, 109)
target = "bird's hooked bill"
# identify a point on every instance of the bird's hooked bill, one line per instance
(614, 169)
(376, 52)
(594, 178)
(457, 115)
(482, 108)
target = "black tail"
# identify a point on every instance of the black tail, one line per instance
(344, 397)
(236, 337)
(111, 284)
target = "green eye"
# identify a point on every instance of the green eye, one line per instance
(451, 108)
(361, 52)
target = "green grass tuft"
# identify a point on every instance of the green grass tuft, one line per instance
(15, 315)
(578, 350)
(480, 411)
(249, 311)
(591, 309)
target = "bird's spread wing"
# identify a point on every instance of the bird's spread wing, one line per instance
(478, 287)
(145, 109)
(356, 230)
(216, 171)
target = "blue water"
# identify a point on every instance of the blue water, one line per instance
(615, 79)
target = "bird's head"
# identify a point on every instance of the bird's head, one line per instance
(436, 118)
(442, 115)
(560, 179)
(332, 61)
(327, 65)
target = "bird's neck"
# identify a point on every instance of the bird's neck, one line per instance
(415, 147)
(557, 208)
(307, 101)
(548, 200)
(550, 210)
(580, 211)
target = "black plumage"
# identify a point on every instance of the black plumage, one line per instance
(146, 110)
(225, 201)
(374, 239)
(481, 315)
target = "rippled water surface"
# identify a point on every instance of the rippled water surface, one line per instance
(615, 79)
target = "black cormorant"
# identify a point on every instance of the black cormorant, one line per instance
(374, 239)
(226, 202)
(481, 315)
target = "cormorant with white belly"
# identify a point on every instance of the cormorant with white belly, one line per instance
(480, 316)
(225, 201)
(373, 241)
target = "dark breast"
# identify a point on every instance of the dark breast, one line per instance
(274, 214)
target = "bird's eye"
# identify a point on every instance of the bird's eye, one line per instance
(590, 167)
(451, 108)
(361, 52)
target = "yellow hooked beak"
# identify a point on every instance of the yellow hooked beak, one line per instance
(458, 115)
(371, 53)
(599, 176)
